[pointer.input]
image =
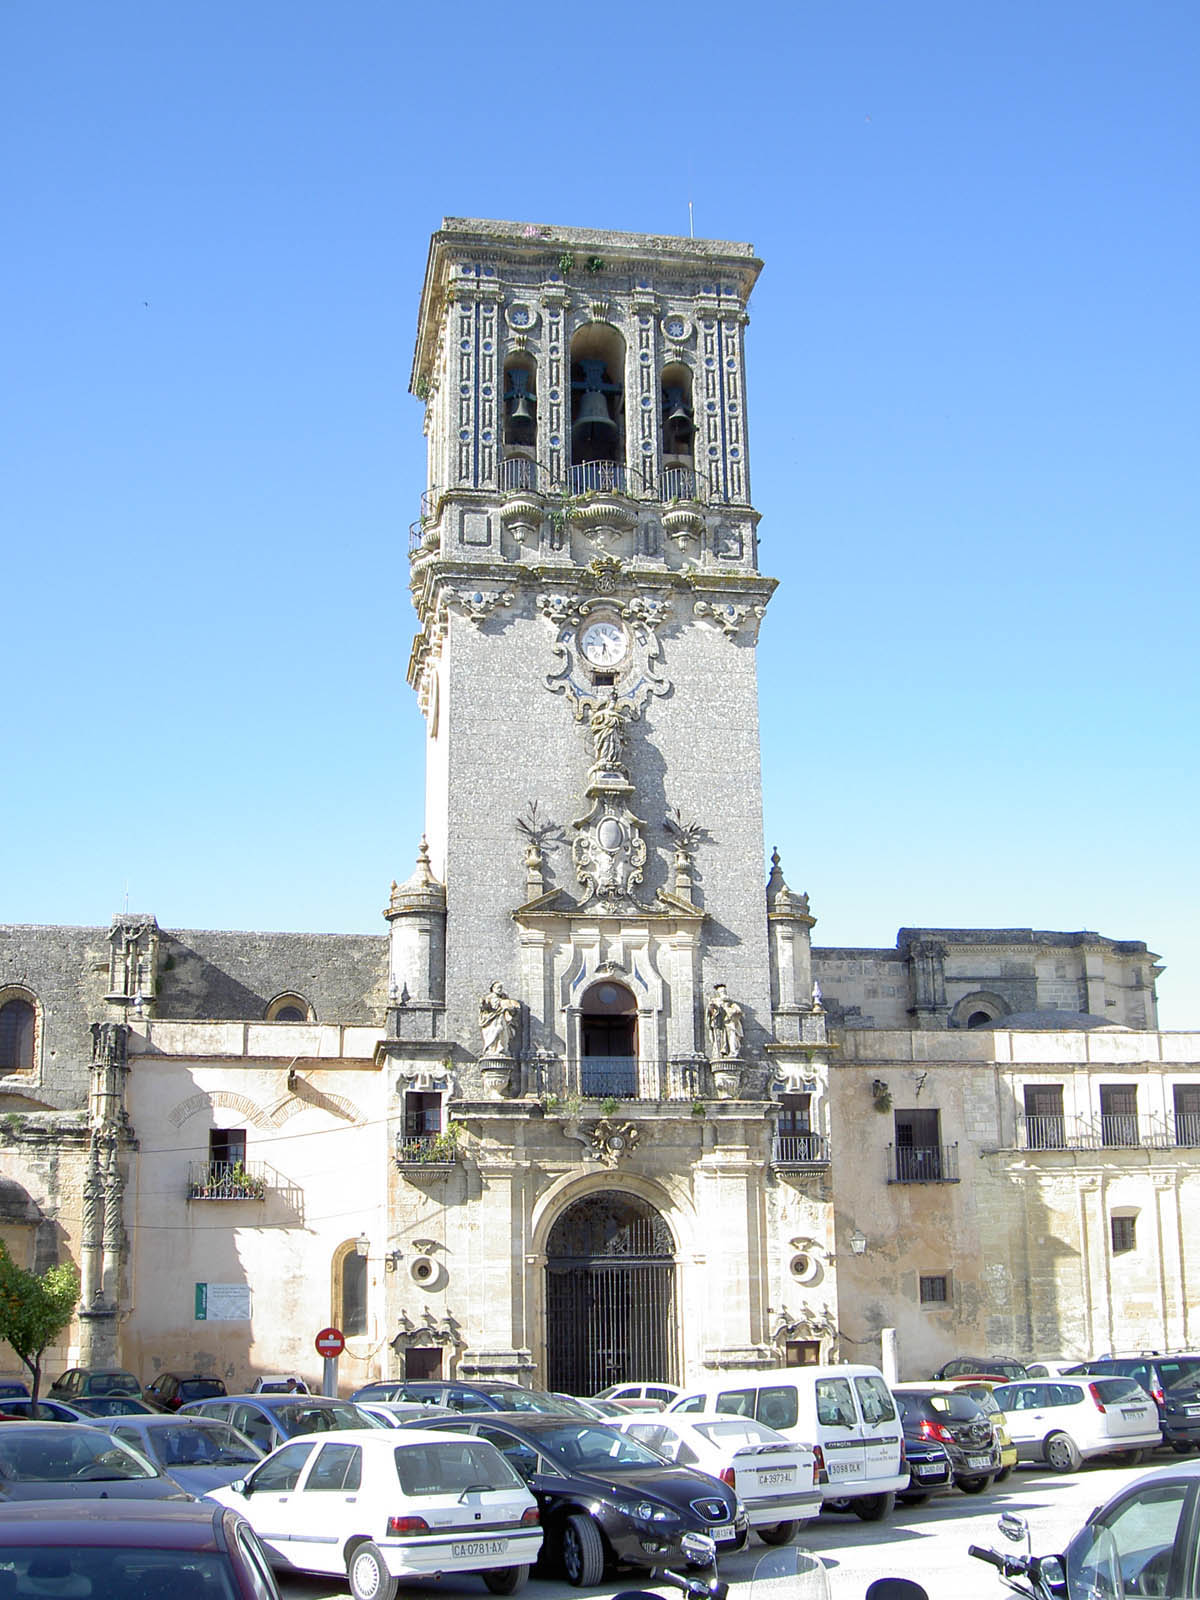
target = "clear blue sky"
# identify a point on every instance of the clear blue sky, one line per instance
(973, 369)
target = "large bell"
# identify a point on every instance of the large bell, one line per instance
(594, 434)
(677, 417)
(522, 409)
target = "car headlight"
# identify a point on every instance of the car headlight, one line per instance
(647, 1511)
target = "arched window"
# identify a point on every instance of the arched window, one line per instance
(350, 1290)
(289, 1008)
(597, 409)
(608, 1037)
(678, 429)
(18, 1025)
(520, 406)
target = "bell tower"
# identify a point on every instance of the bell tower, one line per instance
(585, 574)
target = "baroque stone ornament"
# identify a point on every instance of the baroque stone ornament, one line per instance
(478, 604)
(728, 617)
(612, 1142)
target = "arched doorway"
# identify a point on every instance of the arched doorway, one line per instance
(610, 1295)
(608, 1036)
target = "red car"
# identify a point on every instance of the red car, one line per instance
(156, 1550)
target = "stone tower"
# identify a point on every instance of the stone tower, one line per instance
(587, 923)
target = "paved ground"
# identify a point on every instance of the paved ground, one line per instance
(928, 1543)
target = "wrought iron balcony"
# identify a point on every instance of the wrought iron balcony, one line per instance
(679, 483)
(418, 529)
(597, 477)
(520, 474)
(1109, 1131)
(427, 1152)
(622, 1078)
(799, 1150)
(933, 1163)
(230, 1180)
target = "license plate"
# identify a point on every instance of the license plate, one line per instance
(842, 1469)
(725, 1531)
(979, 1461)
(930, 1471)
(1192, 1411)
(479, 1547)
(769, 1479)
(1131, 1411)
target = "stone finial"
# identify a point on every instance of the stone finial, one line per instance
(780, 898)
(420, 892)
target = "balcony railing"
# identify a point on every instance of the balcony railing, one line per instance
(1109, 1131)
(621, 1078)
(427, 1151)
(519, 473)
(229, 1180)
(418, 529)
(679, 483)
(914, 1163)
(799, 1150)
(597, 477)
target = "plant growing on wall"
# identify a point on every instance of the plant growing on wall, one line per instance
(34, 1310)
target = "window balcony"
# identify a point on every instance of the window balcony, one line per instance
(520, 475)
(936, 1163)
(623, 1078)
(231, 1180)
(597, 477)
(431, 1154)
(1109, 1131)
(796, 1151)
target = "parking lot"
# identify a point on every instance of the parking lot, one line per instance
(926, 1542)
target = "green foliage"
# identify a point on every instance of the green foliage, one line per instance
(34, 1309)
(594, 264)
(566, 262)
(609, 1105)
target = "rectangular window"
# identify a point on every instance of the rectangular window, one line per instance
(1123, 1234)
(1045, 1128)
(935, 1289)
(227, 1145)
(1118, 1114)
(1187, 1113)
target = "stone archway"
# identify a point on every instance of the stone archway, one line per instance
(610, 1295)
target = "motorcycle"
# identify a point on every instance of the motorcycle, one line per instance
(1090, 1570)
(787, 1574)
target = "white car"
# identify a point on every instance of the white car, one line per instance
(646, 1395)
(775, 1478)
(376, 1505)
(1065, 1421)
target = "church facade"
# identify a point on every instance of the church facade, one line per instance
(592, 1105)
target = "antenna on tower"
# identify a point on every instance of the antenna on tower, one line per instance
(691, 222)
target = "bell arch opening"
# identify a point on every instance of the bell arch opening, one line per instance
(610, 1295)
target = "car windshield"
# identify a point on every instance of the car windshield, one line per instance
(983, 1398)
(200, 1388)
(112, 1383)
(958, 1407)
(453, 1466)
(77, 1574)
(113, 1405)
(198, 1444)
(61, 1455)
(594, 1449)
(532, 1400)
(737, 1431)
(303, 1417)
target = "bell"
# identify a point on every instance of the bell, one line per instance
(522, 409)
(677, 416)
(521, 412)
(594, 434)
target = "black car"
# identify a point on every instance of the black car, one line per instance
(174, 1389)
(929, 1467)
(607, 1501)
(483, 1396)
(960, 1425)
(1172, 1382)
(982, 1367)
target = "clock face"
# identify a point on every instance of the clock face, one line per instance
(603, 643)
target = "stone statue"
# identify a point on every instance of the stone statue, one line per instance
(725, 1025)
(608, 733)
(498, 1016)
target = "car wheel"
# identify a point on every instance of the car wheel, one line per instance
(1181, 1447)
(1132, 1458)
(582, 1551)
(974, 1484)
(873, 1507)
(368, 1576)
(1003, 1474)
(1062, 1453)
(838, 1503)
(778, 1533)
(505, 1580)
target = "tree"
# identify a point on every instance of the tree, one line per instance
(34, 1309)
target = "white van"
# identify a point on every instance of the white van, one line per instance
(845, 1412)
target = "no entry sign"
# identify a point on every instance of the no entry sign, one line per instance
(330, 1343)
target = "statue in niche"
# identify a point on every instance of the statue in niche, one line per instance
(725, 1026)
(498, 1016)
(608, 733)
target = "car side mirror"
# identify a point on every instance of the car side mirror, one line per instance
(240, 1486)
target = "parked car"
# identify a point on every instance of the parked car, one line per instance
(13, 1389)
(775, 1478)
(1172, 1382)
(487, 1395)
(102, 1406)
(84, 1383)
(1054, 1367)
(846, 1412)
(199, 1454)
(984, 1395)
(661, 1393)
(960, 1425)
(391, 1413)
(174, 1389)
(1003, 1368)
(268, 1419)
(152, 1549)
(607, 1501)
(929, 1468)
(67, 1460)
(381, 1505)
(275, 1383)
(1065, 1421)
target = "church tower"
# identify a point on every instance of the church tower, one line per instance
(584, 975)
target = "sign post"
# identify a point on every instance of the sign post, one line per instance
(330, 1343)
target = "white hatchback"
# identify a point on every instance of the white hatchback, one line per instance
(774, 1477)
(377, 1505)
(1065, 1421)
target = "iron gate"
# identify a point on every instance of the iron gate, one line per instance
(610, 1296)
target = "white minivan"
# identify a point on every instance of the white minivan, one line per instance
(845, 1412)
